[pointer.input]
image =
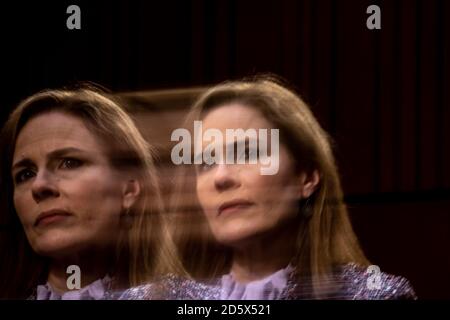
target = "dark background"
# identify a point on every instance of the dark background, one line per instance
(383, 95)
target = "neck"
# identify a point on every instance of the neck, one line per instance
(263, 257)
(92, 266)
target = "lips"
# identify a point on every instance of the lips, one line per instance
(50, 216)
(234, 205)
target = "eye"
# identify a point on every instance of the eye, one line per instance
(70, 163)
(204, 166)
(208, 161)
(23, 176)
(249, 154)
(253, 154)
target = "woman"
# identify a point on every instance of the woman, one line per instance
(80, 204)
(284, 235)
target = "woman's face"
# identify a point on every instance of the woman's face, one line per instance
(67, 195)
(240, 203)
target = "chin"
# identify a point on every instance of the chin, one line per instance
(247, 234)
(236, 239)
(54, 247)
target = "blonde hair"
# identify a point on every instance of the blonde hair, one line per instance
(144, 249)
(325, 239)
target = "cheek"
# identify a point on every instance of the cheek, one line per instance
(283, 187)
(274, 191)
(206, 197)
(202, 189)
(24, 205)
(94, 182)
(94, 197)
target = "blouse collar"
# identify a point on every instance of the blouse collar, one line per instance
(268, 288)
(94, 291)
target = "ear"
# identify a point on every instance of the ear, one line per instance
(131, 191)
(308, 183)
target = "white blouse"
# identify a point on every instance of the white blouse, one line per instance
(94, 291)
(268, 288)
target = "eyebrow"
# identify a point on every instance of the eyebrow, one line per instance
(54, 154)
(227, 146)
(236, 143)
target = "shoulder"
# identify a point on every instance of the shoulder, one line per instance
(141, 292)
(171, 287)
(351, 282)
(372, 284)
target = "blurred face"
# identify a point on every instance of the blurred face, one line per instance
(67, 195)
(240, 203)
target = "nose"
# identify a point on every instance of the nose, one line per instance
(44, 186)
(225, 178)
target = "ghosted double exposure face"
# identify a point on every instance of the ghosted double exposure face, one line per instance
(66, 193)
(239, 202)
